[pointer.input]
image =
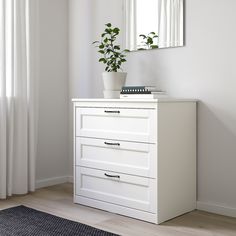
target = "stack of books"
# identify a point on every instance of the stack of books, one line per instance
(138, 92)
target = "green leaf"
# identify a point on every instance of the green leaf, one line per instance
(95, 42)
(101, 51)
(108, 31)
(126, 50)
(116, 30)
(142, 35)
(102, 60)
(101, 46)
(117, 47)
(150, 41)
(103, 35)
(154, 46)
(108, 24)
(152, 33)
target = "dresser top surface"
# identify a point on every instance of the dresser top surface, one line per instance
(167, 99)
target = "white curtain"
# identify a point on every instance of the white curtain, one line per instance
(170, 23)
(18, 96)
(130, 24)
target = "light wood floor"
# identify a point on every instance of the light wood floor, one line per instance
(57, 200)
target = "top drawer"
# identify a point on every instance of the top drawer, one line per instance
(139, 125)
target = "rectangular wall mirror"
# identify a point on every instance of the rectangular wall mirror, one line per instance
(151, 24)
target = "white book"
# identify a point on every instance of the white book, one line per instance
(140, 96)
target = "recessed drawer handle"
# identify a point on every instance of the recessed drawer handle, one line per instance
(112, 176)
(117, 112)
(112, 144)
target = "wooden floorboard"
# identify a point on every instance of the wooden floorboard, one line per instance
(57, 200)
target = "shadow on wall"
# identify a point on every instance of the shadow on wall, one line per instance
(142, 72)
(216, 156)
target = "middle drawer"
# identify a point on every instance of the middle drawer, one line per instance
(125, 157)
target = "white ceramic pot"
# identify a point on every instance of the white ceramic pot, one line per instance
(114, 80)
(111, 94)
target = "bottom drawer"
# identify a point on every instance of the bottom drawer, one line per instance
(124, 190)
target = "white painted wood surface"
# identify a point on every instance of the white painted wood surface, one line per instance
(126, 190)
(95, 153)
(117, 123)
(136, 157)
(176, 159)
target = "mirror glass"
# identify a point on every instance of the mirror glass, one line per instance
(151, 24)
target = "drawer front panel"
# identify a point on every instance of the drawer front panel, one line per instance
(122, 124)
(125, 157)
(124, 190)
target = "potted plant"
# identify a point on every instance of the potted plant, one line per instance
(149, 41)
(113, 58)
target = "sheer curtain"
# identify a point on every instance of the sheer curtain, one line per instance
(170, 23)
(130, 24)
(18, 96)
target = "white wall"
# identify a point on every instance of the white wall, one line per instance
(86, 22)
(52, 157)
(203, 69)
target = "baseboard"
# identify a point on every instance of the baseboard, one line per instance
(52, 181)
(216, 208)
(70, 179)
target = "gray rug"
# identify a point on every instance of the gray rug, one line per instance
(24, 221)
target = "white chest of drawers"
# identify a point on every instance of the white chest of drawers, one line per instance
(136, 158)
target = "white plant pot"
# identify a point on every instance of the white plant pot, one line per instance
(111, 94)
(114, 80)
